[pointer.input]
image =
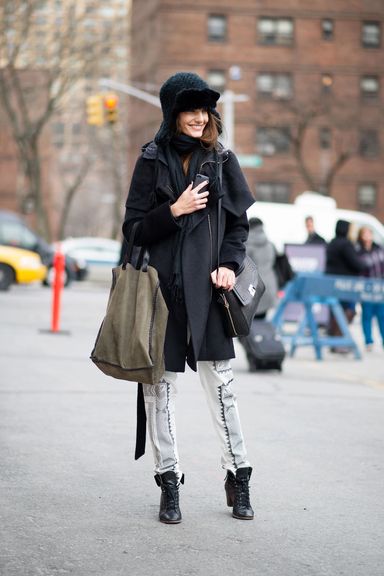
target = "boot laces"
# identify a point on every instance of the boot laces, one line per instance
(171, 494)
(242, 492)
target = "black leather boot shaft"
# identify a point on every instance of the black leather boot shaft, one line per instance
(169, 501)
(237, 490)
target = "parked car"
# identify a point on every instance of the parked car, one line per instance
(15, 232)
(19, 266)
(95, 251)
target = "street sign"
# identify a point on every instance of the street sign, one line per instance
(249, 160)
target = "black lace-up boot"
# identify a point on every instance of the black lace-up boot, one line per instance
(237, 490)
(169, 502)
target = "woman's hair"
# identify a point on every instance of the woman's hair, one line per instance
(211, 132)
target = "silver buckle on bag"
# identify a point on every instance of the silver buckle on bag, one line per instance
(252, 290)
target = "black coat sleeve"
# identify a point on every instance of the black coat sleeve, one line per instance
(237, 195)
(236, 200)
(233, 246)
(155, 222)
(351, 257)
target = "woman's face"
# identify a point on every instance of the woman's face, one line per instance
(193, 122)
(366, 237)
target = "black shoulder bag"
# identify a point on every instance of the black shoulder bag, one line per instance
(239, 304)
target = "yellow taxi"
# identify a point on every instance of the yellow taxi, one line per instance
(19, 266)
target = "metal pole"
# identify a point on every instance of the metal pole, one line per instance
(131, 90)
(229, 118)
(228, 100)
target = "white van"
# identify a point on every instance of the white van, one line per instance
(285, 223)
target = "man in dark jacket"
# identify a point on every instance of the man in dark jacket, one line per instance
(313, 237)
(342, 260)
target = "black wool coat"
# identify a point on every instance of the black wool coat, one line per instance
(195, 329)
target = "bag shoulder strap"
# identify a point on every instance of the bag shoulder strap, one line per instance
(219, 209)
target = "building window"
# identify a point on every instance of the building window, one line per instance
(273, 85)
(369, 87)
(273, 191)
(325, 138)
(366, 195)
(369, 145)
(216, 80)
(275, 31)
(327, 29)
(371, 34)
(271, 141)
(217, 28)
(235, 72)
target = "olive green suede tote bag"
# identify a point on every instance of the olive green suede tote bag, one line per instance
(130, 341)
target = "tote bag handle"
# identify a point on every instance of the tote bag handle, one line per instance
(143, 257)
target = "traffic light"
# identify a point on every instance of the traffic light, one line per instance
(110, 106)
(95, 110)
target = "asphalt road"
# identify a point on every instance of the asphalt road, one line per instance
(73, 501)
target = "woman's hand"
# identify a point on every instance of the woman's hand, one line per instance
(224, 278)
(190, 200)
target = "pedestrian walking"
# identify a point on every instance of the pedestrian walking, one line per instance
(372, 255)
(178, 220)
(342, 260)
(263, 253)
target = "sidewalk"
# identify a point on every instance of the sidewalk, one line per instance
(73, 501)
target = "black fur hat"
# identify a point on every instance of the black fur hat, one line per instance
(181, 92)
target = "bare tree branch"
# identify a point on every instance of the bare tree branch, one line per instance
(305, 117)
(70, 194)
(29, 104)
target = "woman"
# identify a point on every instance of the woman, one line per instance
(178, 225)
(372, 255)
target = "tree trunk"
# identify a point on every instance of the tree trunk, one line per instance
(298, 143)
(33, 173)
(335, 168)
(69, 196)
(117, 185)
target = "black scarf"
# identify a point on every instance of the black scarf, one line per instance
(180, 146)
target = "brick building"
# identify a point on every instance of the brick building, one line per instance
(313, 73)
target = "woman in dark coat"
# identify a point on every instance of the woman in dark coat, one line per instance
(178, 226)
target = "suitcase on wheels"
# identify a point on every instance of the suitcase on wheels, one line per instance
(263, 347)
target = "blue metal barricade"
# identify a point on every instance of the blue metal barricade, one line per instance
(316, 288)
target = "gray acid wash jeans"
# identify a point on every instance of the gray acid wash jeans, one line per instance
(216, 378)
